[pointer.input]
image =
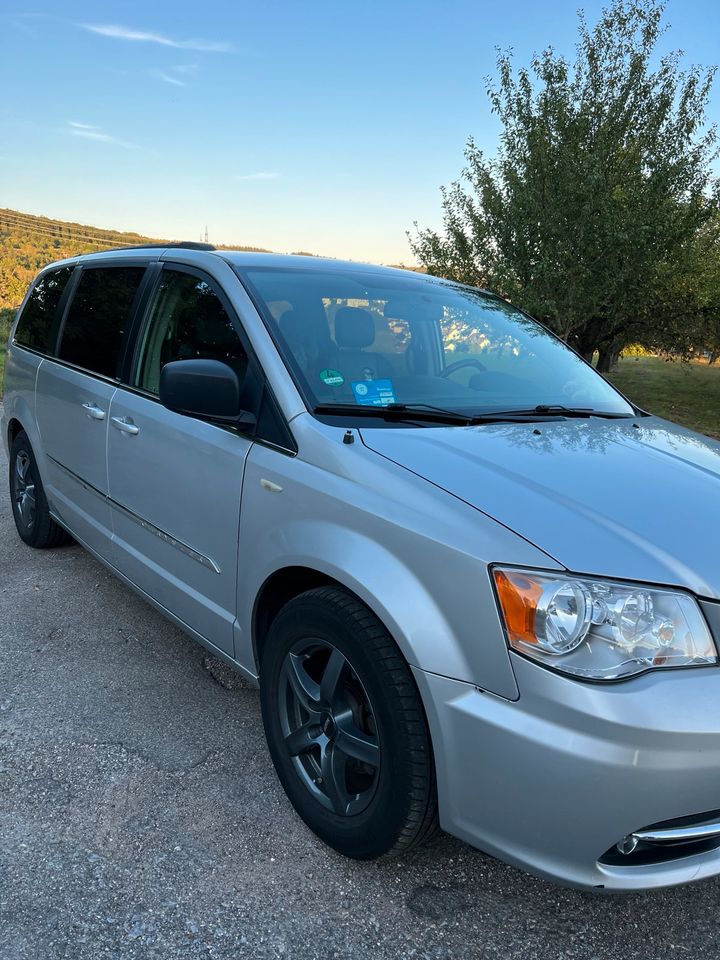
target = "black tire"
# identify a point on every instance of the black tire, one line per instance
(29, 504)
(333, 680)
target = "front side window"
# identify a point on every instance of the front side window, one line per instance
(187, 321)
(98, 318)
(361, 338)
(36, 321)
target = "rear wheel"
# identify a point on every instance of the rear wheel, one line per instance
(346, 726)
(29, 504)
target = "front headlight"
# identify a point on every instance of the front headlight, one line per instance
(599, 629)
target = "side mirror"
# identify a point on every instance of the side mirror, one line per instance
(208, 389)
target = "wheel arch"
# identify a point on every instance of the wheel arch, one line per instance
(386, 587)
(278, 589)
(286, 583)
(13, 429)
(380, 579)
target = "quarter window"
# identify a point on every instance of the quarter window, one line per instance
(99, 316)
(187, 321)
(36, 321)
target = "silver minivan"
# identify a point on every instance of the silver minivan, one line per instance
(476, 586)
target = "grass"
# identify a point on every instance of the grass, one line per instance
(688, 393)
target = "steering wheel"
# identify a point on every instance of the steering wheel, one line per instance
(459, 364)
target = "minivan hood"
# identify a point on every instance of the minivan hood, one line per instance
(636, 499)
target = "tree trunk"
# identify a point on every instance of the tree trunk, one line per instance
(607, 358)
(585, 346)
(585, 340)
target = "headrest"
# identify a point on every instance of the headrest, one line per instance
(291, 328)
(415, 308)
(354, 328)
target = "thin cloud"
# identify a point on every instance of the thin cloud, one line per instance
(258, 176)
(185, 68)
(175, 81)
(88, 132)
(144, 36)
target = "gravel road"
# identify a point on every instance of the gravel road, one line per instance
(140, 815)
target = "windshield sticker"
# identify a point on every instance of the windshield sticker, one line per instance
(374, 393)
(333, 378)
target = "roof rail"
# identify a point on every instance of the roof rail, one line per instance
(182, 245)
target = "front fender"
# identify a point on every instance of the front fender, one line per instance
(416, 556)
(372, 573)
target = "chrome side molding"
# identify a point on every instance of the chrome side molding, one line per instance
(206, 562)
(168, 538)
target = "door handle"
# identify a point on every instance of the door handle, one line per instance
(93, 411)
(125, 425)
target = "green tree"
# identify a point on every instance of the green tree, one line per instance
(6, 318)
(706, 332)
(586, 214)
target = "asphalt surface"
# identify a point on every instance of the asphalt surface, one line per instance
(140, 815)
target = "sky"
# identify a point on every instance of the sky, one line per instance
(319, 126)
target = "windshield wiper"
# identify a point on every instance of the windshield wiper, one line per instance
(542, 411)
(395, 411)
(430, 414)
(557, 409)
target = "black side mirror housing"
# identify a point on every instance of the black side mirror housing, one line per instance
(207, 389)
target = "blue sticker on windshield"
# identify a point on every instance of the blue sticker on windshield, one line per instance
(374, 393)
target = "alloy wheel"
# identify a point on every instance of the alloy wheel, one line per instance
(329, 727)
(24, 489)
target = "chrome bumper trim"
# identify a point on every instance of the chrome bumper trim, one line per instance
(661, 835)
(669, 836)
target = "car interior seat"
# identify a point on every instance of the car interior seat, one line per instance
(310, 349)
(354, 332)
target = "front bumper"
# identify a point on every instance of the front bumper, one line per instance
(553, 781)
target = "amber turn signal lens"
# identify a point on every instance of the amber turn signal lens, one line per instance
(518, 596)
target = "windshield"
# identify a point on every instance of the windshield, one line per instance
(359, 339)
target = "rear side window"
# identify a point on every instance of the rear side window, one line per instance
(36, 321)
(98, 318)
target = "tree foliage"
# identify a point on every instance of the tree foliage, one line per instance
(588, 213)
(705, 332)
(28, 243)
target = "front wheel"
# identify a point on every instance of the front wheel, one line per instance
(346, 726)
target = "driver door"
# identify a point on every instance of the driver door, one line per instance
(175, 482)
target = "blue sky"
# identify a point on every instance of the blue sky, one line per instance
(309, 125)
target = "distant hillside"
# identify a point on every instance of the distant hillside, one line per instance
(28, 243)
